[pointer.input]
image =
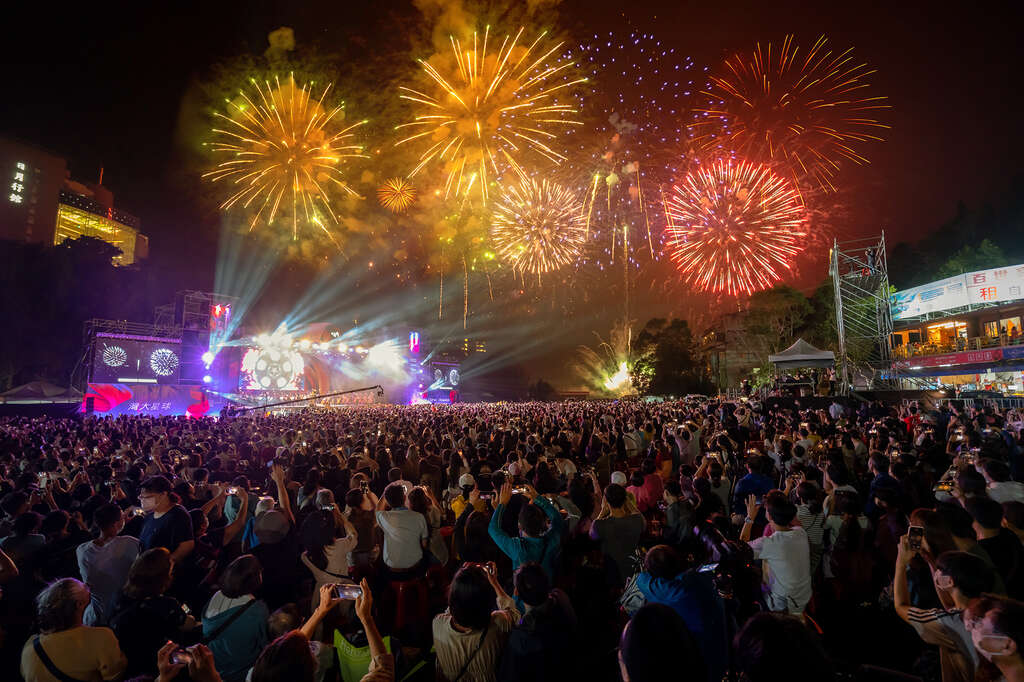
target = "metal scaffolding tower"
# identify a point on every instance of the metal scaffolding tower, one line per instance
(860, 278)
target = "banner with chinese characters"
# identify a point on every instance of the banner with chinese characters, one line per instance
(111, 400)
(997, 285)
(945, 294)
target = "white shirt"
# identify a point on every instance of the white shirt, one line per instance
(404, 530)
(105, 570)
(1006, 491)
(787, 569)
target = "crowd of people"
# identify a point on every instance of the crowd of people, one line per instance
(699, 539)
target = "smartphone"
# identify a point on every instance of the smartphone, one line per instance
(138, 512)
(232, 491)
(707, 568)
(364, 486)
(181, 657)
(346, 591)
(517, 491)
(915, 534)
(327, 507)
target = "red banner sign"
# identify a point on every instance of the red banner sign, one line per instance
(965, 358)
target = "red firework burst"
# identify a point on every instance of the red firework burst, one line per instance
(733, 228)
(809, 111)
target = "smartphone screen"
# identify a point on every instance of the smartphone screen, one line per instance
(914, 537)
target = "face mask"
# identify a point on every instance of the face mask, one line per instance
(999, 641)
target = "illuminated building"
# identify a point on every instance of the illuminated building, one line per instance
(79, 215)
(963, 332)
(40, 203)
(32, 181)
(470, 346)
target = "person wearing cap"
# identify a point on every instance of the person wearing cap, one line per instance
(467, 484)
(277, 546)
(167, 524)
(619, 478)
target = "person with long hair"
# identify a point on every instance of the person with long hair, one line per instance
(422, 501)
(328, 538)
(360, 507)
(811, 515)
(470, 635)
(847, 563)
(145, 617)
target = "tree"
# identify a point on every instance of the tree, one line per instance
(70, 283)
(542, 390)
(986, 255)
(665, 359)
(775, 315)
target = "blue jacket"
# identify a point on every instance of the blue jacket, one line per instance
(693, 596)
(751, 484)
(522, 550)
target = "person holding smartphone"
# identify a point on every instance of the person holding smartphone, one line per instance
(469, 636)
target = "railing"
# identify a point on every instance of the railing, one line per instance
(957, 345)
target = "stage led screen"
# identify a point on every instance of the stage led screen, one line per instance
(271, 369)
(111, 400)
(125, 359)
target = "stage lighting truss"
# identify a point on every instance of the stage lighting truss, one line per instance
(163, 362)
(114, 356)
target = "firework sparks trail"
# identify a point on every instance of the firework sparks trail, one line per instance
(281, 143)
(733, 228)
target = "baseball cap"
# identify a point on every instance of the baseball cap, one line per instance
(466, 481)
(271, 527)
(619, 478)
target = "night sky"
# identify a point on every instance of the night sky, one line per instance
(101, 84)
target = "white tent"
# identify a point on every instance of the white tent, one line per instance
(40, 392)
(802, 354)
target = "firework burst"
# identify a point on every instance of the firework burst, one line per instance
(284, 152)
(808, 110)
(486, 109)
(538, 227)
(396, 195)
(733, 228)
(605, 368)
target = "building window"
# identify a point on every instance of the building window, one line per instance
(992, 329)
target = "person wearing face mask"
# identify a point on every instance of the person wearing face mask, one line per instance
(997, 631)
(959, 577)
